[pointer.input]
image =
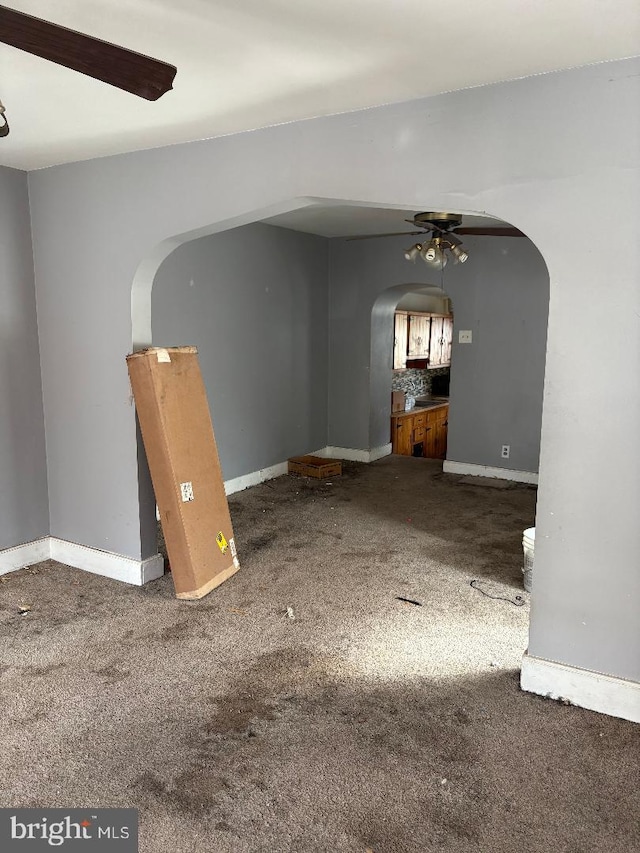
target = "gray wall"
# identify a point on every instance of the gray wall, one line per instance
(254, 302)
(423, 302)
(501, 294)
(533, 152)
(24, 513)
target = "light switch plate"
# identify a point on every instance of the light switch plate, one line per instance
(465, 337)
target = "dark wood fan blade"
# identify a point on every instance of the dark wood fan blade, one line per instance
(141, 75)
(390, 234)
(489, 232)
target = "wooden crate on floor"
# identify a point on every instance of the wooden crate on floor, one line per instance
(315, 466)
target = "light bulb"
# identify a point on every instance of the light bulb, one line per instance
(433, 254)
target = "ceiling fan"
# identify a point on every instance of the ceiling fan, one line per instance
(118, 66)
(445, 222)
(444, 228)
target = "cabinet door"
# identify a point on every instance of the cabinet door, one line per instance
(429, 437)
(419, 326)
(401, 435)
(430, 441)
(400, 341)
(442, 425)
(447, 337)
(435, 344)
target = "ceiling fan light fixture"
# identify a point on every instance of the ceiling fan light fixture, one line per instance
(444, 244)
(430, 250)
(412, 253)
(433, 254)
(460, 254)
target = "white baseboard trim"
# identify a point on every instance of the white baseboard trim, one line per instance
(106, 563)
(606, 694)
(12, 559)
(348, 453)
(353, 455)
(151, 569)
(378, 452)
(125, 569)
(239, 484)
(451, 467)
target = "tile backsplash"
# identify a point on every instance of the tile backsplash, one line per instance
(414, 381)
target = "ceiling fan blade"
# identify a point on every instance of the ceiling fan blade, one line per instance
(141, 75)
(390, 234)
(489, 232)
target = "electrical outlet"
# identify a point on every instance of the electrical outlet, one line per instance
(465, 336)
(506, 450)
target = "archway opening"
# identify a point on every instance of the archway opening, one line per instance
(328, 357)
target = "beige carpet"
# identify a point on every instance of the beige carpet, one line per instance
(363, 723)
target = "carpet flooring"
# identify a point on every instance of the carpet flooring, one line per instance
(364, 723)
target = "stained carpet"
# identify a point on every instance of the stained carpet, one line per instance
(364, 723)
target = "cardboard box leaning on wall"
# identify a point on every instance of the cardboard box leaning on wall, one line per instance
(172, 408)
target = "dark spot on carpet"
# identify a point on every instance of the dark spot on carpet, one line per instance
(112, 674)
(254, 696)
(197, 790)
(258, 543)
(42, 671)
(177, 631)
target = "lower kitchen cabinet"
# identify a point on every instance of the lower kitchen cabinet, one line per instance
(421, 432)
(401, 435)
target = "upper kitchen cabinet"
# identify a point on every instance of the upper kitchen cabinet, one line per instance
(440, 340)
(419, 330)
(400, 339)
(422, 340)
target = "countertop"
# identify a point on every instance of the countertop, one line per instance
(435, 404)
(429, 400)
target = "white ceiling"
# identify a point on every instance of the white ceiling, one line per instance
(335, 220)
(244, 64)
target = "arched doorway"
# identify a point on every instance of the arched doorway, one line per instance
(505, 283)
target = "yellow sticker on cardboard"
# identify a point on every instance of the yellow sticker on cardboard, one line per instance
(222, 542)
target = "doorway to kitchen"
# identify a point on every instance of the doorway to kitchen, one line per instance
(497, 363)
(420, 384)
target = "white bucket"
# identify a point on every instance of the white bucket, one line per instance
(528, 545)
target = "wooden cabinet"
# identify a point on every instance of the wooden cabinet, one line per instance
(422, 339)
(421, 432)
(440, 430)
(400, 340)
(440, 342)
(447, 334)
(419, 331)
(435, 344)
(402, 435)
